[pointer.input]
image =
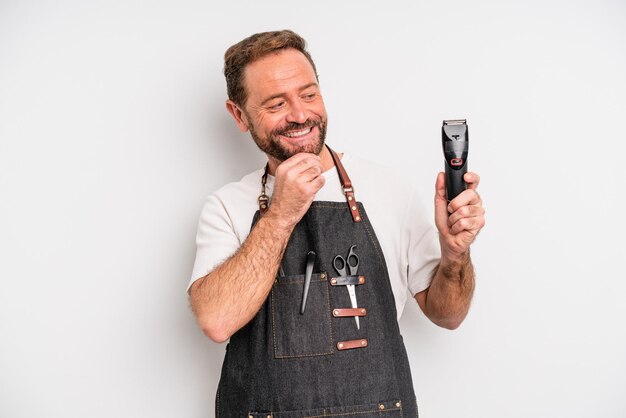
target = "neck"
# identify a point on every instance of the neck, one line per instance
(327, 161)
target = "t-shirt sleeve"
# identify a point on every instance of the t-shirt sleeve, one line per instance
(423, 250)
(216, 239)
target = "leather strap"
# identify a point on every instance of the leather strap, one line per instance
(346, 185)
(347, 280)
(342, 312)
(348, 345)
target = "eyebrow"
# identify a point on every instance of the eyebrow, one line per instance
(276, 96)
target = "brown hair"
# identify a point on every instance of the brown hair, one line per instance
(253, 48)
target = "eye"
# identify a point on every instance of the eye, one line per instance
(309, 96)
(277, 106)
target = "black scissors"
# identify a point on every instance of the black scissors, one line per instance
(352, 264)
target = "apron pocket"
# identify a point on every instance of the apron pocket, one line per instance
(387, 409)
(301, 335)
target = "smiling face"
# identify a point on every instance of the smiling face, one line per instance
(284, 111)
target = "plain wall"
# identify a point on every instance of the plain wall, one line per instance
(113, 130)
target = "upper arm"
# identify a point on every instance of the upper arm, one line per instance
(422, 246)
(421, 300)
(216, 239)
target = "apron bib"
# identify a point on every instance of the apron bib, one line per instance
(285, 364)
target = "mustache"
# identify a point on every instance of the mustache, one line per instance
(293, 126)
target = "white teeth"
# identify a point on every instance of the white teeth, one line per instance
(297, 133)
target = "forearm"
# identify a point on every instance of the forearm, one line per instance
(450, 293)
(230, 296)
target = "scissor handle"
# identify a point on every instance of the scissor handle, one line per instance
(352, 261)
(342, 269)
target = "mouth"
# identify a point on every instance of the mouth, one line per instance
(298, 134)
(301, 135)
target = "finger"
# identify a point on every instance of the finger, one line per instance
(306, 164)
(472, 180)
(297, 169)
(317, 183)
(470, 211)
(462, 241)
(466, 197)
(471, 225)
(296, 159)
(441, 204)
(311, 188)
(311, 173)
(307, 168)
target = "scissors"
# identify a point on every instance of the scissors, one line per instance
(352, 264)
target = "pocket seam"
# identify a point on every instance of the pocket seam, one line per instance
(347, 414)
(324, 412)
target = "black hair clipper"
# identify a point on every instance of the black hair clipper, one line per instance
(455, 141)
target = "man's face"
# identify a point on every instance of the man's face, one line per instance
(284, 112)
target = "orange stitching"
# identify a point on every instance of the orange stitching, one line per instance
(306, 355)
(273, 325)
(217, 403)
(330, 321)
(343, 414)
(298, 281)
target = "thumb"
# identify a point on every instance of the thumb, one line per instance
(441, 204)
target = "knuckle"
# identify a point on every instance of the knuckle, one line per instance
(291, 175)
(310, 160)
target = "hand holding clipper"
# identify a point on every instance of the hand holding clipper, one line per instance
(455, 142)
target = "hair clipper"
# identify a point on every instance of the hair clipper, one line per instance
(455, 141)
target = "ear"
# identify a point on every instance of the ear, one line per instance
(238, 115)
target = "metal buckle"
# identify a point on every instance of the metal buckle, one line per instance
(263, 199)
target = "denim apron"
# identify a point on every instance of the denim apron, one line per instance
(284, 364)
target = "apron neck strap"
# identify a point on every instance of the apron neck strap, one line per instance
(346, 186)
(344, 179)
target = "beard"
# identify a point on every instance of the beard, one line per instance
(273, 146)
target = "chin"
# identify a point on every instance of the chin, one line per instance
(288, 151)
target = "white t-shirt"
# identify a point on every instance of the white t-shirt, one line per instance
(407, 237)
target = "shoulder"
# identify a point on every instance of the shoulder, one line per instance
(235, 202)
(248, 187)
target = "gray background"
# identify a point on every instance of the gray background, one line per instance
(113, 130)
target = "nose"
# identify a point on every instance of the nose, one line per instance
(297, 113)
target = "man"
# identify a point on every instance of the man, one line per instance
(310, 294)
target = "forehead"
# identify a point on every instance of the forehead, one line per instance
(279, 72)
